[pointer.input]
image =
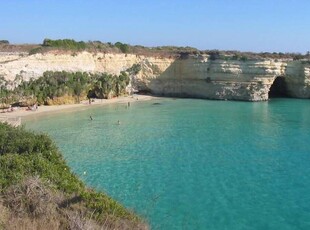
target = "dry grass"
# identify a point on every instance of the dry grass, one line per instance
(31, 205)
(34, 205)
(31, 197)
(27, 223)
(3, 215)
(17, 48)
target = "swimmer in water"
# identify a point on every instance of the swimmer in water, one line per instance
(118, 122)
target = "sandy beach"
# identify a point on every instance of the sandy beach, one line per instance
(23, 112)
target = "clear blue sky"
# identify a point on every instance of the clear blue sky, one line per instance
(246, 25)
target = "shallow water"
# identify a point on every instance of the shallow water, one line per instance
(195, 164)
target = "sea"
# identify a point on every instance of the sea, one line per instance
(191, 163)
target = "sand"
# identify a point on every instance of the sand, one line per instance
(23, 112)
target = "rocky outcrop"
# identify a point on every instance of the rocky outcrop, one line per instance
(189, 76)
(297, 78)
(232, 80)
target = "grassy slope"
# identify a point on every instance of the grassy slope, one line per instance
(32, 170)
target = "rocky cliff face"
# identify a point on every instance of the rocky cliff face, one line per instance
(190, 76)
(233, 80)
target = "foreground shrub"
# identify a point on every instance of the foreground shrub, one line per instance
(37, 186)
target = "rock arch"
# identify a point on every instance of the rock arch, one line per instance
(278, 88)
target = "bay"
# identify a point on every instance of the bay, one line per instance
(194, 164)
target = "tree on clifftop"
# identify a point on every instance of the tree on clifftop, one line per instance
(4, 42)
(123, 47)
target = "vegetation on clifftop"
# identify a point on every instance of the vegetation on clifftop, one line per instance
(73, 46)
(70, 45)
(39, 191)
(64, 43)
(64, 87)
(6, 42)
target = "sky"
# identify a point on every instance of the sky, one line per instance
(245, 25)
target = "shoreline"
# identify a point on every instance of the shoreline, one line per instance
(47, 109)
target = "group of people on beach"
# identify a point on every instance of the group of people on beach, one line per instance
(15, 108)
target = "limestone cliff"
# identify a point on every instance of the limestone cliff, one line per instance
(189, 76)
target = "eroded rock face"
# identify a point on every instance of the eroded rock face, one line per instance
(297, 77)
(218, 79)
(193, 76)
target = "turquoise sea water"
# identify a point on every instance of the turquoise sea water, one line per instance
(195, 164)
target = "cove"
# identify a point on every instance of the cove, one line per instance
(194, 164)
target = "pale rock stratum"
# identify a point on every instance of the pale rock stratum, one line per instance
(191, 76)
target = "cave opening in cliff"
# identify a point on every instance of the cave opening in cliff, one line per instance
(278, 88)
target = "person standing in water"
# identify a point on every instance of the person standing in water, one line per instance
(91, 118)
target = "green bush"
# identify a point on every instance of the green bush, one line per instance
(24, 153)
(123, 47)
(35, 50)
(4, 42)
(65, 43)
(135, 69)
